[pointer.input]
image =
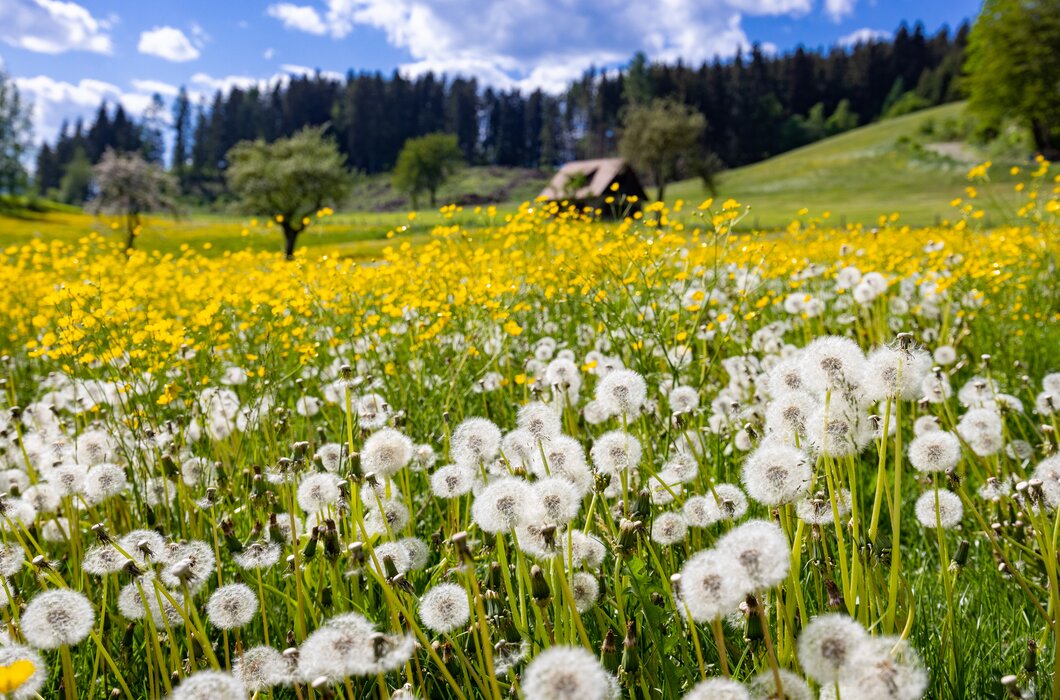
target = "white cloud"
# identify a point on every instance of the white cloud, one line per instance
(862, 36)
(156, 86)
(540, 43)
(169, 43)
(295, 70)
(52, 26)
(269, 53)
(56, 100)
(838, 9)
(300, 17)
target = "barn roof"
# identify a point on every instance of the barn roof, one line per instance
(599, 172)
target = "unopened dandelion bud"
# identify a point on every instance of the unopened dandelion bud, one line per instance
(960, 557)
(331, 540)
(211, 495)
(630, 657)
(835, 596)
(310, 549)
(169, 465)
(657, 599)
(904, 340)
(115, 692)
(39, 562)
(326, 598)
(953, 479)
(752, 630)
(346, 373)
(627, 535)
(299, 449)
(183, 571)
(131, 568)
(539, 586)
(1030, 664)
(609, 651)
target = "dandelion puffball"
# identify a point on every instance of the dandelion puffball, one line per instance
(56, 618)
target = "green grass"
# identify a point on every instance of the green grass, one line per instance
(469, 186)
(859, 175)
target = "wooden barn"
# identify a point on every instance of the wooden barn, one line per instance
(588, 183)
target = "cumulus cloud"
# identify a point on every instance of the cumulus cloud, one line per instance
(169, 43)
(539, 43)
(300, 17)
(838, 9)
(863, 36)
(153, 87)
(52, 26)
(56, 100)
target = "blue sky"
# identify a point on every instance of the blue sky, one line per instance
(67, 56)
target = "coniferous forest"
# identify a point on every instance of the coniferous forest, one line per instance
(756, 105)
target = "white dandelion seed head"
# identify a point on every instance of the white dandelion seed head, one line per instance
(330, 456)
(210, 685)
(452, 481)
(764, 687)
(540, 420)
(884, 668)
(717, 689)
(396, 553)
(518, 447)
(586, 550)
(978, 392)
(832, 363)
(317, 492)
(838, 430)
(936, 388)
(19, 512)
(12, 556)
(669, 528)
(925, 424)
(159, 491)
(418, 551)
(622, 392)
(895, 373)
(191, 562)
(372, 411)
(103, 481)
(615, 451)
(827, 645)
(817, 509)
(386, 452)
(141, 544)
(475, 441)
(68, 479)
(712, 585)
(56, 530)
(563, 456)
(945, 355)
(594, 412)
(787, 416)
(567, 673)
(261, 668)
(935, 451)
(103, 559)
(558, 500)
(683, 399)
(586, 590)
(94, 446)
(445, 608)
(949, 509)
(258, 555)
(762, 551)
(42, 497)
(58, 617)
(776, 473)
(502, 505)
(231, 606)
(982, 429)
(196, 470)
(13, 481)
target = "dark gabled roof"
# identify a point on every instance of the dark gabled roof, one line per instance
(600, 172)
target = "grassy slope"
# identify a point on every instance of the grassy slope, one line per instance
(857, 176)
(473, 185)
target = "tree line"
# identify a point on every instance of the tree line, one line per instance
(755, 105)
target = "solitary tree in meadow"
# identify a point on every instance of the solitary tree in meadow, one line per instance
(656, 136)
(425, 163)
(128, 186)
(1013, 67)
(289, 179)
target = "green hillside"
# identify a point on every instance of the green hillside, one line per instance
(859, 175)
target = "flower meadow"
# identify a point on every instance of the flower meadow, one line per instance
(547, 457)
